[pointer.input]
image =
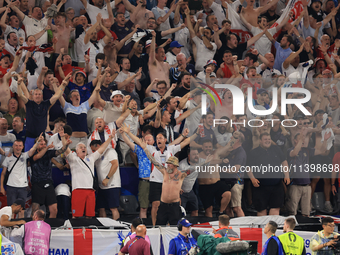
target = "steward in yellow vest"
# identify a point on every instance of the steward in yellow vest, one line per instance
(292, 243)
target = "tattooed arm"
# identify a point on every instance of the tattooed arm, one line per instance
(64, 148)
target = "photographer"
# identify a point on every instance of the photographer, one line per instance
(322, 242)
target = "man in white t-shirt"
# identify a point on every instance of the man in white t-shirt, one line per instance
(125, 73)
(34, 24)
(263, 45)
(107, 168)
(82, 170)
(13, 25)
(16, 164)
(93, 46)
(162, 15)
(99, 6)
(7, 212)
(205, 48)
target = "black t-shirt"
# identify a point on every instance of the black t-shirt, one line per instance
(272, 247)
(270, 158)
(36, 117)
(180, 92)
(241, 47)
(105, 92)
(122, 32)
(42, 168)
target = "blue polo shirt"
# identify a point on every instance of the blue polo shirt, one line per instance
(181, 245)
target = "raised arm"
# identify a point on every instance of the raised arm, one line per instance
(330, 15)
(189, 25)
(205, 40)
(95, 94)
(172, 30)
(84, 2)
(252, 40)
(20, 93)
(158, 117)
(103, 147)
(167, 15)
(3, 19)
(265, 8)
(159, 166)
(19, 13)
(245, 23)
(134, 138)
(152, 54)
(92, 29)
(216, 35)
(187, 140)
(40, 81)
(34, 148)
(126, 139)
(58, 92)
(284, 21)
(291, 57)
(270, 37)
(148, 92)
(108, 36)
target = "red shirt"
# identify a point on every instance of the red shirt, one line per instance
(136, 246)
(66, 69)
(329, 51)
(226, 72)
(101, 35)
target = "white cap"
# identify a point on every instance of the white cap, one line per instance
(115, 93)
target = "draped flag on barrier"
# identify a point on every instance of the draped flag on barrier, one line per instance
(94, 241)
(102, 242)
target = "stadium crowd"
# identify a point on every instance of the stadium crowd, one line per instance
(90, 87)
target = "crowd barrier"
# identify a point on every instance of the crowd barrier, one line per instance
(101, 242)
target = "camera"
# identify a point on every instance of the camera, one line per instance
(336, 246)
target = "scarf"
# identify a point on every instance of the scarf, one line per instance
(107, 131)
(41, 48)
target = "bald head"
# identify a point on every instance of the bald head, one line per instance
(141, 230)
(99, 124)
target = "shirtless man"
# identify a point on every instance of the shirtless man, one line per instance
(226, 109)
(169, 209)
(61, 32)
(5, 93)
(251, 15)
(157, 67)
(210, 186)
(141, 13)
